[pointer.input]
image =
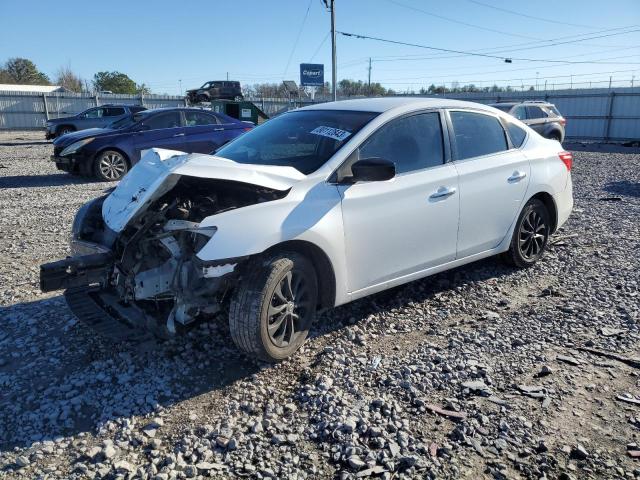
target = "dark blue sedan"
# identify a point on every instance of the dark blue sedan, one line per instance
(108, 153)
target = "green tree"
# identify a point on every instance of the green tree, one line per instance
(115, 82)
(24, 72)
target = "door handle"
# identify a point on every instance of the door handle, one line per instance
(179, 135)
(218, 129)
(516, 176)
(443, 192)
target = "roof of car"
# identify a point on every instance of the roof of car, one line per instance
(384, 104)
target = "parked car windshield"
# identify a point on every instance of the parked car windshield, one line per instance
(304, 140)
(129, 120)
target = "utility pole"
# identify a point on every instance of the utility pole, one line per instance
(227, 75)
(334, 62)
(610, 82)
(369, 83)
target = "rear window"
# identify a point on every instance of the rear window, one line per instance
(553, 110)
(516, 134)
(477, 134)
(536, 112)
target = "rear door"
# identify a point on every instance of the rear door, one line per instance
(203, 132)
(112, 114)
(161, 130)
(536, 118)
(407, 224)
(91, 118)
(493, 180)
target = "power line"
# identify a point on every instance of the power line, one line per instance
(295, 44)
(512, 12)
(467, 53)
(320, 46)
(575, 37)
(460, 22)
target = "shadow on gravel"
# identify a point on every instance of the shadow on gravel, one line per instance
(22, 144)
(624, 187)
(414, 292)
(55, 180)
(59, 379)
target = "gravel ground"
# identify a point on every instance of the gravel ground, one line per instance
(480, 372)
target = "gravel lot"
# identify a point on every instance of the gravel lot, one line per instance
(481, 372)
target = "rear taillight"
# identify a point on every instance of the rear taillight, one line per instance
(567, 159)
(562, 121)
(246, 129)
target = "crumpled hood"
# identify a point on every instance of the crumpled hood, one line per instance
(159, 170)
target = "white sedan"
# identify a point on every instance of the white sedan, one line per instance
(313, 209)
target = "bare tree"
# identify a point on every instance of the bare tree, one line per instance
(69, 80)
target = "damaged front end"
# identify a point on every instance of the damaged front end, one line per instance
(148, 274)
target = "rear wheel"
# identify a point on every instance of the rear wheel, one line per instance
(530, 236)
(555, 136)
(110, 166)
(274, 306)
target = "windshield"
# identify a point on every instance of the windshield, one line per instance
(128, 121)
(304, 140)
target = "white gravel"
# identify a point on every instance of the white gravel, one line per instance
(500, 350)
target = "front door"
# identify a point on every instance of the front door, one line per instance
(493, 181)
(162, 130)
(398, 227)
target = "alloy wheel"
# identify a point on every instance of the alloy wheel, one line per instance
(288, 309)
(112, 165)
(533, 235)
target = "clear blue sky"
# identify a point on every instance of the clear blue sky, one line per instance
(161, 42)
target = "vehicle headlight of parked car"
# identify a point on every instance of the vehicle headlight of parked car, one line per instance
(74, 147)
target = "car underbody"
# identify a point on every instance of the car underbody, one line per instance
(148, 274)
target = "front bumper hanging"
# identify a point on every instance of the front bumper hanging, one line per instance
(76, 272)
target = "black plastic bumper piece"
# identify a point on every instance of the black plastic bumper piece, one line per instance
(75, 272)
(91, 309)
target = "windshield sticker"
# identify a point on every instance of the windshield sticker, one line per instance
(331, 132)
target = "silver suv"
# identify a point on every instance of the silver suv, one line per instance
(543, 117)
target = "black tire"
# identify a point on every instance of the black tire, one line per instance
(530, 236)
(110, 166)
(555, 136)
(64, 129)
(262, 313)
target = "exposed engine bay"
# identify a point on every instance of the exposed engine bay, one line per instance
(153, 263)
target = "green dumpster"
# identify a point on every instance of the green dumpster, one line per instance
(246, 111)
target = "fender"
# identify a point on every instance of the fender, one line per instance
(314, 216)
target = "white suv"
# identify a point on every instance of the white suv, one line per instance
(313, 209)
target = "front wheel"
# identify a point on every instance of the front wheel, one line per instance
(274, 306)
(530, 236)
(110, 166)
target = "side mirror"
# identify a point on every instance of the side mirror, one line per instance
(373, 170)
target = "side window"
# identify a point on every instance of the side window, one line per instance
(95, 113)
(536, 112)
(163, 120)
(412, 143)
(477, 134)
(520, 113)
(517, 134)
(197, 118)
(113, 111)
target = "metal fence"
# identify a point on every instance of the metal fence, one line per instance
(597, 114)
(29, 110)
